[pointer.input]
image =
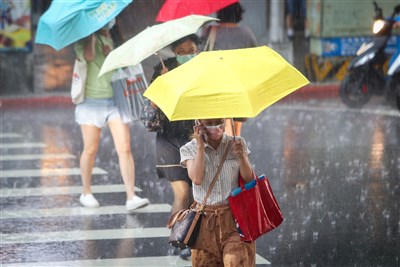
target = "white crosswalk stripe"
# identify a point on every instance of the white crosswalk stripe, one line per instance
(21, 145)
(35, 157)
(61, 190)
(45, 172)
(166, 261)
(81, 211)
(10, 135)
(39, 237)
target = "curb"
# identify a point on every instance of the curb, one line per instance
(315, 91)
(312, 91)
(36, 102)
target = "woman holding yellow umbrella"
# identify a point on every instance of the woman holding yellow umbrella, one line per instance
(226, 84)
(218, 242)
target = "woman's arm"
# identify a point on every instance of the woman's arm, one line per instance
(89, 49)
(246, 171)
(196, 167)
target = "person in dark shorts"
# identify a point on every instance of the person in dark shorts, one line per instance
(175, 134)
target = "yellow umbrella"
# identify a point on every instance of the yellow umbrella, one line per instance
(225, 84)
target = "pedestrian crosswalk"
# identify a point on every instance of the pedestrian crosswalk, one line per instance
(46, 234)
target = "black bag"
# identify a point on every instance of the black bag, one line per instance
(185, 228)
(151, 117)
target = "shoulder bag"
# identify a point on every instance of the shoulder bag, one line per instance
(209, 46)
(78, 84)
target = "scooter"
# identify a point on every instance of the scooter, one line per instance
(366, 74)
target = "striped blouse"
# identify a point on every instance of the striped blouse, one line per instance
(229, 175)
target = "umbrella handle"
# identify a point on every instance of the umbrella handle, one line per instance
(233, 129)
(162, 61)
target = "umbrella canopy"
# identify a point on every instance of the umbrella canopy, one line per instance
(66, 22)
(174, 9)
(225, 84)
(151, 40)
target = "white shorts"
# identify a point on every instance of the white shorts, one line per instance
(96, 112)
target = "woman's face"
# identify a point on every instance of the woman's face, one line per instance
(185, 51)
(215, 128)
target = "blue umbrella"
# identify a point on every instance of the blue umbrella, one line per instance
(66, 22)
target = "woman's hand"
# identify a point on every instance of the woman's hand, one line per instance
(89, 50)
(164, 70)
(153, 105)
(200, 134)
(106, 50)
(196, 167)
(238, 149)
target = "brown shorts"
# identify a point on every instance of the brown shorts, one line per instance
(218, 243)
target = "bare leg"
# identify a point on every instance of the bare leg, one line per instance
(289, 21)
(91, 137)
(182, 195)
(289, 26)
(122, 142)
(238, 127)
(228, 127)
(306, 30)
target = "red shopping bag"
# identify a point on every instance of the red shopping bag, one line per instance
(255, 208)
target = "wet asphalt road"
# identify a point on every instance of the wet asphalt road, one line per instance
(335, 173)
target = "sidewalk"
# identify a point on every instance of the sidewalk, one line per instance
(46, 100)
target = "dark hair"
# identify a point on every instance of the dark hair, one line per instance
(232, 13)
(193, 37)
(116, 34)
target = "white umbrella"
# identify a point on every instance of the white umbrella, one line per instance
(151, 40)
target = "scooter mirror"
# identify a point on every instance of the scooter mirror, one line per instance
(378, 12)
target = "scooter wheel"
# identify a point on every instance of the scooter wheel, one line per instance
(398, 101)
(354, 90)
(392, 91)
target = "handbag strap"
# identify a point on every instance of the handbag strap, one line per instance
(177, 216)
(216, 175)
(211, 39)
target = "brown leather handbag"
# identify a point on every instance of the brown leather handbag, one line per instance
(185, 224)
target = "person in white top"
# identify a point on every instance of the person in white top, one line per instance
(218, 242)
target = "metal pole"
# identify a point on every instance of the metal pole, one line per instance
(277, 21)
